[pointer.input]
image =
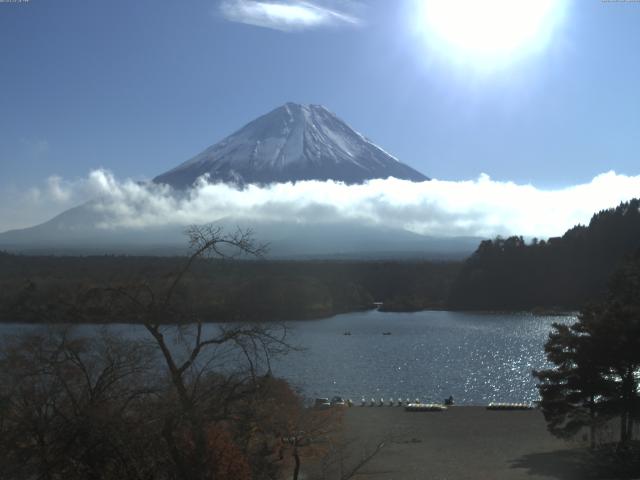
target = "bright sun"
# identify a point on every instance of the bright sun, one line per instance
(477, 31)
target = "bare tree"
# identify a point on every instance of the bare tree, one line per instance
(201, 401)
(190, 349)
(67, 404)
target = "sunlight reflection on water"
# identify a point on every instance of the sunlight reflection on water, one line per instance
(477, 358)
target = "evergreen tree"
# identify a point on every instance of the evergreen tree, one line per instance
(561, 273)
(572, 392)
(597, 363)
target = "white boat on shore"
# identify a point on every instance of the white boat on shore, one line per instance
(425, 407)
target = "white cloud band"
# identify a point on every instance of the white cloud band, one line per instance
(481, 207)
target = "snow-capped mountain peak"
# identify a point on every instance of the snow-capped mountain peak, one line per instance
(291, 143)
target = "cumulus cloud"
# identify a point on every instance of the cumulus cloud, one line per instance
(287, 15)
(480, 207)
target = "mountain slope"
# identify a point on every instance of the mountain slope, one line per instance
(291, 143)
(76, 232)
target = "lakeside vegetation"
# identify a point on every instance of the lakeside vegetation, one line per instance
(223, 290)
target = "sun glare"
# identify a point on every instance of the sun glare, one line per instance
(487, 31)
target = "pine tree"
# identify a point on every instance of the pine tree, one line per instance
(597, 363)
(573, 391)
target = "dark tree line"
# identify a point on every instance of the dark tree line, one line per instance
(222, 290)
(561, 273)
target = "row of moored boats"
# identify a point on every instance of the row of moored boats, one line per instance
(416, 405)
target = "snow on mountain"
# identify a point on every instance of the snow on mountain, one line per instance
(291, 143)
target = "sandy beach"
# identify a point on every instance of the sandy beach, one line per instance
(461, 443)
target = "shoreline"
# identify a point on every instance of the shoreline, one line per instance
(462, 443)
(551, 313)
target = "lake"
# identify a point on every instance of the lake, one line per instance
(476, 357)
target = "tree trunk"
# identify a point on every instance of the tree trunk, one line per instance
(296, 470)
(633, 398)
(626, 409)
(592, 424)
(623, 427)
(197, 462)
(182, 470)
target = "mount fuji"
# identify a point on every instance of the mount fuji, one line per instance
(291, 143)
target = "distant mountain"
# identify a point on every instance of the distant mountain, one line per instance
(291, 143)
(341, 239)
(75, 231)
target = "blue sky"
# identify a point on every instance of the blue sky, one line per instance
(137, 87)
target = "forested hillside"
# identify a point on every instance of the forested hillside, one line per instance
(562, 273)
(228, 290)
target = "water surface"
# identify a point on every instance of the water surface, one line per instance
(477, 358)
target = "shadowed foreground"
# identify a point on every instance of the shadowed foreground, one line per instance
(462, 443)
